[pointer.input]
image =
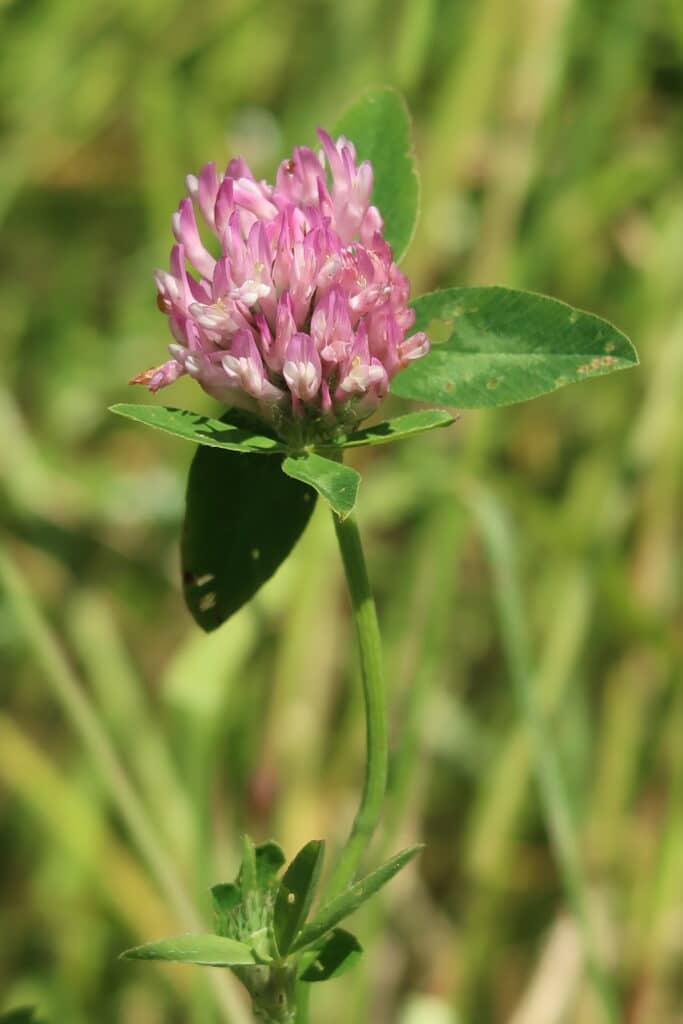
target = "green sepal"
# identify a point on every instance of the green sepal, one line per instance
(295, 894)
(206, 950)
(337, 954)
(336, 483)
(352, 898)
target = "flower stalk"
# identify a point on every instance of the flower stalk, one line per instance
(370, 648)
(377, 744)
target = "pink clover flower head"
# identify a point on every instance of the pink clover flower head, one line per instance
(296, 312)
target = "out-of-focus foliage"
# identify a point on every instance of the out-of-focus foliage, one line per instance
(550, 138)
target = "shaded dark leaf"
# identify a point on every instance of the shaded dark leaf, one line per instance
(243, 517)
(337, 954)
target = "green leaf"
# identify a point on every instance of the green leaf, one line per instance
(336, 483)
(20, 1015)
(295, 894)
(209, 950)
(259, 865)
(338, 953)
(225, 897)
(396, 429)
(507, 346)
(222, 433)
(243, 517)
(379, 126)
(269, 858)
(351, 899)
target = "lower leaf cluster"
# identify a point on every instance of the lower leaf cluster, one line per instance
(263, 932)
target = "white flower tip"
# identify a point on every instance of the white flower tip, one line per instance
(303, 378)
(250, 292)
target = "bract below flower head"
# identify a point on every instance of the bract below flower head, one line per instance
(299, 314)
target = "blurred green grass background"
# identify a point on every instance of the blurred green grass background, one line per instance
(537, 546)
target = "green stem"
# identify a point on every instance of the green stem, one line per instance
(303, 997)
(370, 646)
(377, 745)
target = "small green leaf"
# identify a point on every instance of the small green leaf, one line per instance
(336, 483)
(507, 346)
(203, 429)
(209, 950)
(397, 429)
(225, 897)
(295, 894)
(337, 954)
(351, 899)
(243, 517)
(269, 859)
(379, 126)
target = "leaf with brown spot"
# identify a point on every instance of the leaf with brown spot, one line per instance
(507, 346)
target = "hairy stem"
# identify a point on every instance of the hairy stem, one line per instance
(374, 788)
(370, 647)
